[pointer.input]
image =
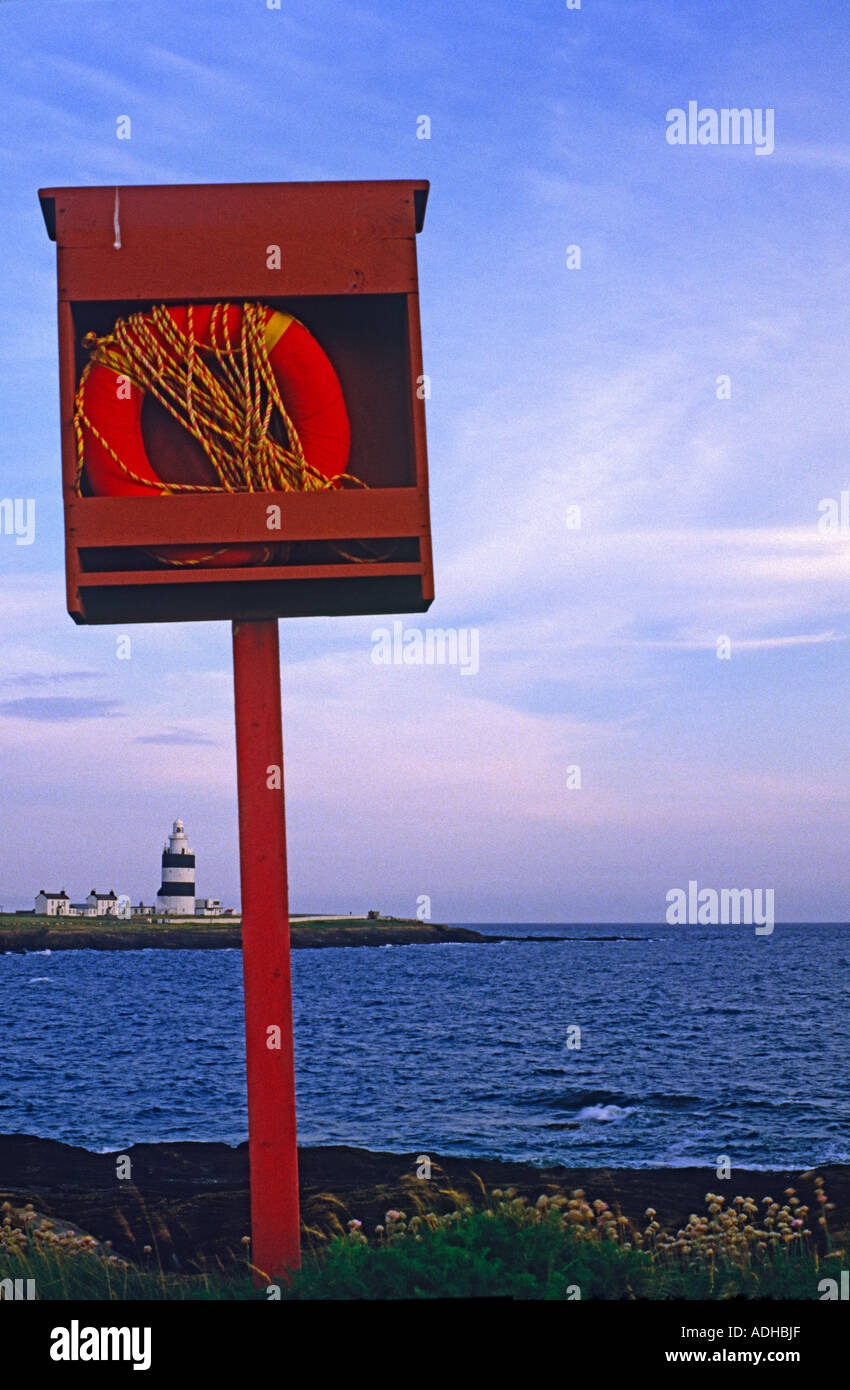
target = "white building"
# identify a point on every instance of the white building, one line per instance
(60, 905)
(176, 896)
(208, 907)
(101, 904)
(52, 904)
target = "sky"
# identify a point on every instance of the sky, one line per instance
(554, 386)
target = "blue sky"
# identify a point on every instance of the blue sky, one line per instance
(551, 388)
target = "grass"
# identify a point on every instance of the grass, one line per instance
(560, 1247)
(127, 926)
(64, 1264)
(566, 1247)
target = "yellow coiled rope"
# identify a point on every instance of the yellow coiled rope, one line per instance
(225, 395)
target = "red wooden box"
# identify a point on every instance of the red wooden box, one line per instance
(348, 272)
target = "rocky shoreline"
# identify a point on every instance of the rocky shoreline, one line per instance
(177, 938)
(189, 1201)
(173, 937)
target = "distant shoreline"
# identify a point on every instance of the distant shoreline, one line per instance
(76, 934)
(20, 934)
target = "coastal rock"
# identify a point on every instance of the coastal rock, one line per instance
(176, 937)
(190, 1201)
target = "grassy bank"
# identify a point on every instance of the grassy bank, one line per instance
(139, 933)
(557, 1248)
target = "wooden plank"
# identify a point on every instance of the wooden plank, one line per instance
(194, 271)
(420, 446)
(194, 574)
(215, 518)
(67, 389)
(83, 216)
(211, 241)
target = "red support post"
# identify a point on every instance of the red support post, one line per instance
(265, 949)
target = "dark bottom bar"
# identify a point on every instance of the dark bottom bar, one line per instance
(293, 598)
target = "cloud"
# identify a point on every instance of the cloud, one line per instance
(52, 677)
(57, 708)
(750, 644)
(182, 736)
(832, 157)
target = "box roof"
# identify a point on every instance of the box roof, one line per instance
(208, 191)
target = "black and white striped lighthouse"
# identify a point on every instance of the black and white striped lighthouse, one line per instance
(176, 896)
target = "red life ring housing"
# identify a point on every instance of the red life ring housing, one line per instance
(309, 389)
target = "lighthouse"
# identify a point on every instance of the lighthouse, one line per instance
(176, 897)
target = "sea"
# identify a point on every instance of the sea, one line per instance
(630, 1046)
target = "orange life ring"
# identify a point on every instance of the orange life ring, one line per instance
(308, 386)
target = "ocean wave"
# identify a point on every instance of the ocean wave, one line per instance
(605, 1112)
(578, 1100)
(588, 938)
